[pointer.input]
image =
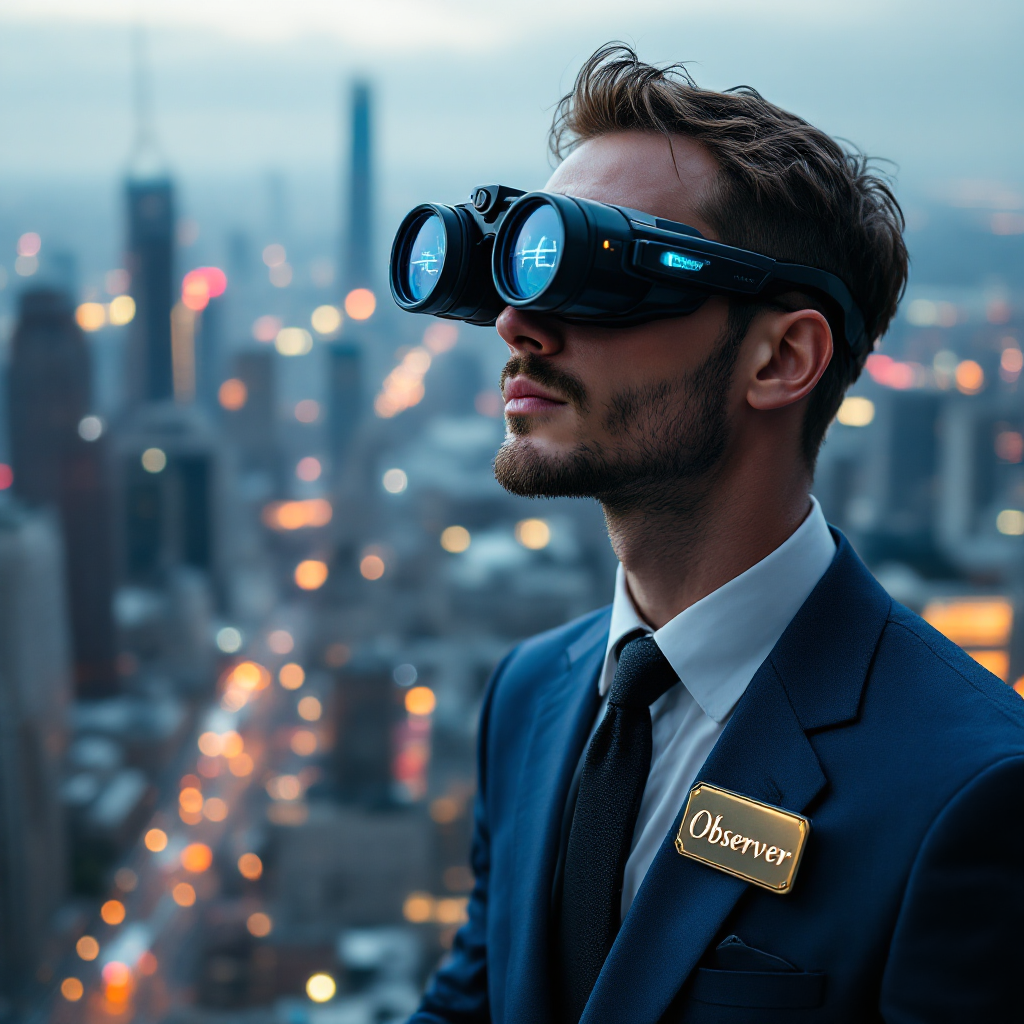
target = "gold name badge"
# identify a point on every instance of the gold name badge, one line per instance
(743, 837)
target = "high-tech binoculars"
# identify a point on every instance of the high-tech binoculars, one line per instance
(584, 262)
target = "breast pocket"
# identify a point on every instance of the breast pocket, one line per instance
(790, 990)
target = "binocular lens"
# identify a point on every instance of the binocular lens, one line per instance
(536, 251)
(426, 258)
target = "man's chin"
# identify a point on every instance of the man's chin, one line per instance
(522, 468)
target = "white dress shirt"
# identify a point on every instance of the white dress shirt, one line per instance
(715, 647)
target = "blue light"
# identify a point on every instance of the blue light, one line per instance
(677, 261)
(536, 251)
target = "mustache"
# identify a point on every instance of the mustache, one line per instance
(540, 371)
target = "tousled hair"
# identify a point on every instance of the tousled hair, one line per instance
(785, 189)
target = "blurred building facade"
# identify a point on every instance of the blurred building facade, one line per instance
(347, 406)
(60, 460)
(35, 690)
(926, 474)
(150, 263)
(357, 252)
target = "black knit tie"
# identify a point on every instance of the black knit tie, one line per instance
(611, 788)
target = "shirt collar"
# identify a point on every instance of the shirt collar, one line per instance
(717, 644)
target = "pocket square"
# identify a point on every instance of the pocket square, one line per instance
(733, 954)
(741, 975)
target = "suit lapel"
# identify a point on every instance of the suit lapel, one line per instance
(681, 904)
(564, 716)
(813, 679)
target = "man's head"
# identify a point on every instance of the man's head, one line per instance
(635, 415)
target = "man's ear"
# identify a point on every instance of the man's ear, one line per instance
(788, 355)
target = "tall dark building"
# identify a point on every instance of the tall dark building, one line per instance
(345, 363)
(48, 397)
(150, 260)
(168, 461)
(357, 255)
(901, 486)
(33, 702)
(250, 425)
(209, 355)
(368, 708)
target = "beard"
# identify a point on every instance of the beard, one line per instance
(661, 437)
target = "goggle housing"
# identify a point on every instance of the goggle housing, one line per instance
(585, 262)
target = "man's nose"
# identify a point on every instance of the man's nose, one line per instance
(528, 333)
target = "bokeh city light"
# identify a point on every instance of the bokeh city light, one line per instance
(291, 676)
(534, 534)
(112, 912)
(311, 574)
(360, 304)
(455, 539)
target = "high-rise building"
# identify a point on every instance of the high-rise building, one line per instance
(56, 464)
(368, 710)
(48, 392)
(981, 488)
(167, 452)
(150, 261)
(345, 370)
(357, 254)
(895, 516)
(168, 460)
(250, 415)
(33, 699)
(345, 361)
(209, 354)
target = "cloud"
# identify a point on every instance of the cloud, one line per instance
(404, 25)
(464, 88)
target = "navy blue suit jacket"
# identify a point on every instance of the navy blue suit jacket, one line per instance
(908, 758)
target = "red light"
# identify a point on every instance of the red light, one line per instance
(195, 292)
(6, 476)
(216, 280)
(889, 372)
(201, 285)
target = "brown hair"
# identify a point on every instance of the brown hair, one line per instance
(786, 189)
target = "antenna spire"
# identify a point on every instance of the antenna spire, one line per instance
(145, 160)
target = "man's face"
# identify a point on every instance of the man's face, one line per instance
(619, 413)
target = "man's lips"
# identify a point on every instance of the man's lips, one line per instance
(524, 396)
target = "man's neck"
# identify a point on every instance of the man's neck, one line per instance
(677, 549)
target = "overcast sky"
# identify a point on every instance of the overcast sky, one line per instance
(464, 88)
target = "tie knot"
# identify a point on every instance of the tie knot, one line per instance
(642, 675)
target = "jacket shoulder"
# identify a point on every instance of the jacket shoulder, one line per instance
(554, 649)
(519, 682)
(927, 657)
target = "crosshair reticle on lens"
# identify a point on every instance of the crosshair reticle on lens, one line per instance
(584, 261)
(426, 257)
(537, 250)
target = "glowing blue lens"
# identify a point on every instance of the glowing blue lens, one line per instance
(536, 251)
(426, 258)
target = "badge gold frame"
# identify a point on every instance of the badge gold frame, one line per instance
(747, 838)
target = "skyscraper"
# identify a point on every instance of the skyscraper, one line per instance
(167, 453)
(345, 372)
(55, 465)
(33, 699)
(357, 255)
(368, 708)
(250, 422)
(210, 355)
(168, 458)
(150, 260)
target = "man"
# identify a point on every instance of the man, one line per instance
(750, 672)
